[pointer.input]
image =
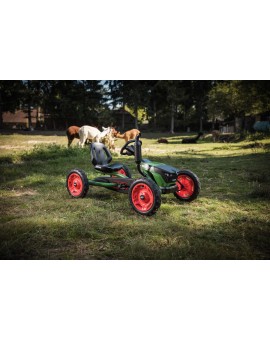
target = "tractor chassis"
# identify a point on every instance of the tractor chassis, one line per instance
(123, 183)
(108, 182)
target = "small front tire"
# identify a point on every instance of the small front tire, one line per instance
(188, 186)
(77, 183)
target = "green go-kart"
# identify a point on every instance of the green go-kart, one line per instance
(144, 193)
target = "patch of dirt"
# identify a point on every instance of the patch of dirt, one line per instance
(40, 141)
(19, 193)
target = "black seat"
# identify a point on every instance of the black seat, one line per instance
(101, 157)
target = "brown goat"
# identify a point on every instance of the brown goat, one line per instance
(72, 132)
(128, 135)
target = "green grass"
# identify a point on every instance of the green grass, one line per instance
(38, 219)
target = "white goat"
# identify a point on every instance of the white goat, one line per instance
(92, 133)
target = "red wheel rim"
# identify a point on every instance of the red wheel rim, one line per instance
(142, 197)
(75, 184)
(185, 186)
(122, 172)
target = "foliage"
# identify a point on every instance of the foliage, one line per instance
(166, 104)
(141, 112)
(230, 99)
(10, 94)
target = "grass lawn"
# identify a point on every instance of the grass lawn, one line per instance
(39, 220)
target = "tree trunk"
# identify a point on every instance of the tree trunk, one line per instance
(38, 123)
(1, 113)
(213, 122)
(123, 117)
(155, 115)
(136, 116)
(29, 106)
(29, 115)
(243, 126)
(201, 123)
(199, 113)
(84, 101)
(172, 120)
(123, 120)
(237, 124)
(1, 120)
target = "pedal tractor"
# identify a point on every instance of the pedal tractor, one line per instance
(144, 193)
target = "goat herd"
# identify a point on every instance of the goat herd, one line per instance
(91, 134)
(108, 135)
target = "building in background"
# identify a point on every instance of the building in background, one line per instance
(19, 119)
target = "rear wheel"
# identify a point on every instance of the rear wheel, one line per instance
(144, 197)
(77, 183)
(125, 171)
(188, 186)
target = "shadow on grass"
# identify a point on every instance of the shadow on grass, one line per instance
(218, 243)
(5, 160)
(245, 238)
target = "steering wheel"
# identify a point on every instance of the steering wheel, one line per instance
(128, 150)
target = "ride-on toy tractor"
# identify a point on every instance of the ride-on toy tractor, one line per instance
(144, 193)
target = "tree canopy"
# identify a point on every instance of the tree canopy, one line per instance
(166, 104)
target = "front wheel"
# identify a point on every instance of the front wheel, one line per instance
(144, 197)
(77, 183)
(188, 186)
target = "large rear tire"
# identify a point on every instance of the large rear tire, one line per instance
(77, 183)
(125, 171)
(144, 197)
(189, 186)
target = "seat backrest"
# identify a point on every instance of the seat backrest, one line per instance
(100, 155)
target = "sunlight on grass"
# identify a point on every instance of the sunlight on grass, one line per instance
(229, 220)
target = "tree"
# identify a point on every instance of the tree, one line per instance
(73, 102)
(91, 98)
(238, 98)
(219, 104)
(10, 95)
(141, 96)
(130, 94)
(170, 99)
(200, 90)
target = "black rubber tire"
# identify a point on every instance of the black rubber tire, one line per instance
(84, 184)
(197, 186)
(156, 196)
